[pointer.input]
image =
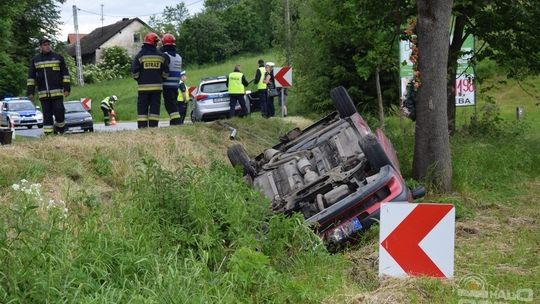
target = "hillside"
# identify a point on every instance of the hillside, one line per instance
(154, 216)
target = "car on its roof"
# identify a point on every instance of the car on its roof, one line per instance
(20, 112)
(336, 172)
(77, 118)
(211, 100)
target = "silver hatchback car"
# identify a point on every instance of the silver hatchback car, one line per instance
(211, 100)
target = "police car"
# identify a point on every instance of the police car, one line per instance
(211, 100)
(20, 112)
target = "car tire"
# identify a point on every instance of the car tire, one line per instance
(90, 130)
(40, 126)
(238, 157)
(374, 152)
(29, 127)
(343, 101)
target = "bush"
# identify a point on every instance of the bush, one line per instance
(116, 59)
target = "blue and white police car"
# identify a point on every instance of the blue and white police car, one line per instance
(20, 112)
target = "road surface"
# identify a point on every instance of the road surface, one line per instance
(121, 126)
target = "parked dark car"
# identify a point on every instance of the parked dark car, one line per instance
(77, 118)
(335, 172)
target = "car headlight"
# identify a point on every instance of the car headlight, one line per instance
(88, 119)
(39, 115)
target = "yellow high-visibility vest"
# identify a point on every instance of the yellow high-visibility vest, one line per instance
(235, 83)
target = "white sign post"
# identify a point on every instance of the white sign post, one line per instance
(417, 240)
(283, 79)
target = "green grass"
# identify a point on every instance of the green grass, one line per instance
(158, 216)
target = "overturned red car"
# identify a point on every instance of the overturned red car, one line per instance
(336, 172)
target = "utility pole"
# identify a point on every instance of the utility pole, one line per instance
(80, 78)
(288, 31)
(102, 19)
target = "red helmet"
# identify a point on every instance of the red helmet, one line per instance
(168, 39)
(151, 38)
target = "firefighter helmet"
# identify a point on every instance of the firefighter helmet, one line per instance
(113, 98)
(168, 39)
(151, 38)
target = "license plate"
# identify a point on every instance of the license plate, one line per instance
(219, 100)
(75, 128)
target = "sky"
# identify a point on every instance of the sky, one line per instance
(89, 12)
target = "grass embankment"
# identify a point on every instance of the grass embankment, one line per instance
(126, 89)
(157, 216)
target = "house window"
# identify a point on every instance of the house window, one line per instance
(136, 37)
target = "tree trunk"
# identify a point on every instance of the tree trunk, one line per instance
(432, 160)
(379, 97)
(453, 55)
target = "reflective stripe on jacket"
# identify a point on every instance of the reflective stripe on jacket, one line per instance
(50, 74)
(235, 83)
(150, 67)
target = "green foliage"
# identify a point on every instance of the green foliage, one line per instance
(22, 23)
(341, 43)
(116, 59)
(203, 228)
(489, 123)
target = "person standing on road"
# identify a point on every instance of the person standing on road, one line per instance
(49, 73)
(183, 97)
(171, 84)
(107, 106)
(149, 67)
(236, 84)
(262, 88)
(270, 84)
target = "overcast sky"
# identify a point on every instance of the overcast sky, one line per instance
(89, 13)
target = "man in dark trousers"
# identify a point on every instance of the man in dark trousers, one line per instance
(171, 84)
(49, 73)
(236, 84)
(150, 67)
(259, 81)
(183, 97)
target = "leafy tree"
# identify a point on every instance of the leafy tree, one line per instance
(432, 160)
(204, 39)
(509, 33)
(116, 59)
(21, 24)
(171, 19)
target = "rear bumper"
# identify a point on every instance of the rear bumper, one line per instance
(364, 204)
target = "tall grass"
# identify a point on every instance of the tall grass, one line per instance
(174, 237)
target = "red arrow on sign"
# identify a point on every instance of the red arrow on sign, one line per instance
(280, 76)
(403, 242)
(87, 103)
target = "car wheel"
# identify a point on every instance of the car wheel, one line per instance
(343, 101)
(239, 157)
(40, 126)
(90, 129)
(374, 152)
(29, 127)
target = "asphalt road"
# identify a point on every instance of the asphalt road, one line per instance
(121, 126)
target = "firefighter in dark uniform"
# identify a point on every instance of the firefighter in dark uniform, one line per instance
(259, 81)
(236, 84)
(183, 97)
(171, 84)
(49, 73)
(150, 67)
(107, 106)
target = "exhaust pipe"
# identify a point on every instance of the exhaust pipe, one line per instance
(233, 133)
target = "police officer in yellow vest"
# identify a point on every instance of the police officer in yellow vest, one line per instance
(183, 97)
(259, 81)
(237, 83)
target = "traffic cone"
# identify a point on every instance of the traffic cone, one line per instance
(113, 118)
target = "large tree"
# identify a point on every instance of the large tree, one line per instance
(508, 32)
(432, 160)
(22, 23)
